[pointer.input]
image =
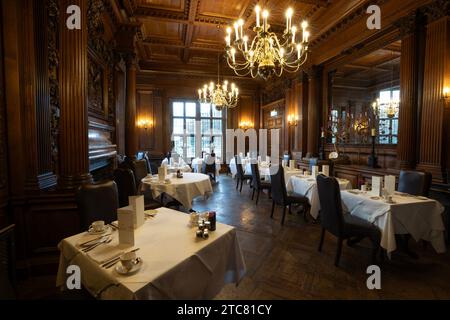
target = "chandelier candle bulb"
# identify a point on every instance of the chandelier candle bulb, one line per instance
(265, 15)
(288, 19)
(228, 40)
(236, 30)
(245, 38)
(241, 24)
(257, 10)
(294, 30)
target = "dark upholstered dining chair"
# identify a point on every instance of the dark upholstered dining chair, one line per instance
(7, 264)
(140, 171)
(281, 197)
(257, 184)
(209, 169)
(240, 175)
(415, 183)
(342, 226)
(126, 187)
(97, 202)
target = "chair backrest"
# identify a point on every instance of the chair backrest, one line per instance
(331, 217)
(256, 176)
(139, 168)
(286, 157)
(239, 168)
(208, 167)
(149, 164)
(313, 162)
(97, 202)
(414, 182)
(7, 264)
(279, 192)
(126, 185)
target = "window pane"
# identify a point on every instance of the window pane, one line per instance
(190, 150)
(206, 144)
(394, 140)
(217, 127)
(178, 145)
(178, 109)
(205, 110)
(218, 146)
(206, 126)
(385, 96)
(178, 126)
(190, 126)
(217, 113)
(191, 109)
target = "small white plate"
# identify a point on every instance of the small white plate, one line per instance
(122, 271)
(105, 229)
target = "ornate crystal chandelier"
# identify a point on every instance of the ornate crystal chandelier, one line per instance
(219, 95)
(266, 55)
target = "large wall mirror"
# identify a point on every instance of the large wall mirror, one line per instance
(366, 98)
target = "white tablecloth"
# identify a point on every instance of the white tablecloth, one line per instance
(198, 162)
(184, 190)
(176, 264)
(307, 186)
(422, 219)
(233, 168)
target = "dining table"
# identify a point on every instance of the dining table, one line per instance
(418, 216)
(175, 264)
(184, 189)
(306, 185)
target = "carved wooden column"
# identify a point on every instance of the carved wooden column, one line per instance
(406, 147)
(436, 76)
(314, 109)
(303, 113)
(131, 132)
(73, 155)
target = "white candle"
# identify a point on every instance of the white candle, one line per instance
(304, 25)
(233, 52)
(257, 10)
(281, 52)
(374, 132)
(225, 84)
(299, 48)
(265, 15)
(199, 94)
(228, 40)
(245, 43)
(305, 36)
(294, 30)
(241, 24)
(236, 31)
(288, 19)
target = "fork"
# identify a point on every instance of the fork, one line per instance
(106, 240)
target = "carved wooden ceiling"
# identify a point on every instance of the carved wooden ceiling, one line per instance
(188, 35)
(377, 68)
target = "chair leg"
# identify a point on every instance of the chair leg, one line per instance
(284, 215)
(290, 209)
(322, 237)
(242, 182)
(273, 208)
(338, 252)
(237, 183)
(257, 196)
(253, 193)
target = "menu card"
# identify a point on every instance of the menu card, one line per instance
(137, 205)
(326, 170)
(292, 164)
(377, 185)
(315, 171)
(389, 184)
(125, 217)
(162, 173)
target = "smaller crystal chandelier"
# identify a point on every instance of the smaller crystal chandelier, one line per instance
(267, 55)
(219, 96)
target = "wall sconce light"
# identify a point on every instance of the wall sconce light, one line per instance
(145, 124)
(446, 93)
(273, 113)
(245, 125)
(292, 120)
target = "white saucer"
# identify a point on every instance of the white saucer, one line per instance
(105, 229)
(122, 271)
